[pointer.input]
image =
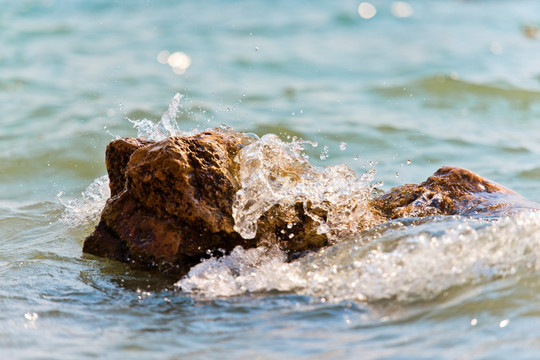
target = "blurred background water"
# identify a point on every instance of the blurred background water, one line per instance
(409, 86)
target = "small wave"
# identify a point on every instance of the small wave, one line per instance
(403, 263)
(451, 87)
(531, 174)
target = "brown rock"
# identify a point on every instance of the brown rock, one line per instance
(171, 202)
(451, 191)
(116, 159)
(294, 231)
(175, 202)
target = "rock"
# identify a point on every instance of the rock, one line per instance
(171, 203)
(451, 191)
(116, 159)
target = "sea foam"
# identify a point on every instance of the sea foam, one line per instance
(401, 261)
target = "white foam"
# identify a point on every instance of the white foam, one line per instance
(86, 210)
(404, 263)
(276, 172)
(166, 127)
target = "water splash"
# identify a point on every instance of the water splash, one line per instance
(273, 172)
(404, 262)
(85, 211)
(167, 126)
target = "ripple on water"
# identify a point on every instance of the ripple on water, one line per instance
(448, 91)
(531, 174)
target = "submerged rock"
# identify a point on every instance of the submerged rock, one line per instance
(172, 203)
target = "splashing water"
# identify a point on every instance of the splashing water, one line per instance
(402, 261)
(166, 127)
(85, 211)
(273, 172)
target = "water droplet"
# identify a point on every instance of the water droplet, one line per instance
(355, 157)
(256, 48)
(343, 146)
(409, 162)
(324, 154)
(31, 316)
(323, 229)
(474, 322)
(504, 323)
(397, 174)
(289, 226)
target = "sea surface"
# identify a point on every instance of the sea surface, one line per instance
(393, 90)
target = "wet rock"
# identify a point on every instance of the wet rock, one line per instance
(451, 191)
(171, 203)
(294, 231)
(116, 159)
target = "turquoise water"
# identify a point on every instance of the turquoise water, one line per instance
(451, 82)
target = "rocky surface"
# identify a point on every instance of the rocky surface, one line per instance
(171, 203)
(451, 191)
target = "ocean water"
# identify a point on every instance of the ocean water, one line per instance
(393, 90)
